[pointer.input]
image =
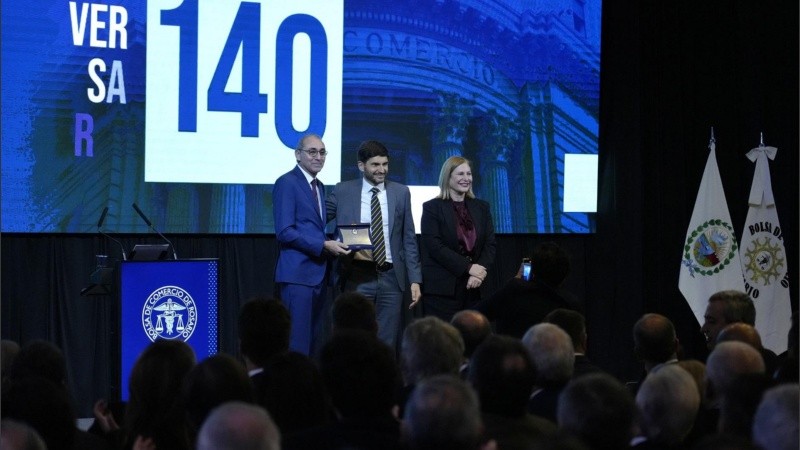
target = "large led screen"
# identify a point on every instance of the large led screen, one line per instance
(191, 108)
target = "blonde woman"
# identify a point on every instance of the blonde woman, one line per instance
(458, 243)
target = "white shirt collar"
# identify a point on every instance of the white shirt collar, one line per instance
(308, 176)
(366, 186)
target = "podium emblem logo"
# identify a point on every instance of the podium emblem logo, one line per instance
(169, 313)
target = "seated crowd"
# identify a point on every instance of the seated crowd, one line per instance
(455, 385)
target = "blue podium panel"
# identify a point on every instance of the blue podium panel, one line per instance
(174, 300)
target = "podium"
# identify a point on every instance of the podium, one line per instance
(172, 299)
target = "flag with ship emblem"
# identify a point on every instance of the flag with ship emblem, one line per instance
(763, 257)
(710, 260)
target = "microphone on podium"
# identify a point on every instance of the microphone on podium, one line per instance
(100, 230)
(150, 224)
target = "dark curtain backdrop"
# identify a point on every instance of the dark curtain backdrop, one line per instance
(670, 72)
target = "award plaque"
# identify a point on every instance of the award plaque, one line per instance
(356, 236)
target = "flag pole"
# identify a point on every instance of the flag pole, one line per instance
(761, 143)
(712, 141)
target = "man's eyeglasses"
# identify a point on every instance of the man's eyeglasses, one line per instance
(313, 152)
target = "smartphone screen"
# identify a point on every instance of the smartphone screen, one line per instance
(526, 269)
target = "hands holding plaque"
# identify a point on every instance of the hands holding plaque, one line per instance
(356, 236)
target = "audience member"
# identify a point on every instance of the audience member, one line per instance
(727, 361)
(215, 380)
(654, 344)
(37, 361)
(154, 408)
(239, 426)
(291, 388)
(443, 413)
(8, 351)
(668, 402)
(430, 346)
(474, 328)
(574, 324)
(15, 435)
(706, 421)
(45, 406)
(520, 304)
(738, 406)
(742, 332)
(788, 370)
(775, 425)
(503, 375)
(724, 442)
(726, 307)
(40, 358)
(362, 377)
(654, 340)
(599, 410)
(554, 360)
(354, 311)
(264, 330)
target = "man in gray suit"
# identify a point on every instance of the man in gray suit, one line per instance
(384, 273)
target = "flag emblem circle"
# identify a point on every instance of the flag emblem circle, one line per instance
(764, 262)
(710, 247)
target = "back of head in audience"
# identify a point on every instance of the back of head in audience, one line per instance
(599, 410)
(474, 328)
(654, 340)
(775, 425)
(239, 426)
(43, 405)
(723, 308)
(215, 380)
(361, 374)
(573, 323)
(668, 403)
(552, 353)
(742, 332)
(354, 311)
(739, 405)
(502, 373)
(15, 435)
(430, 347)
(264, 327)
(550, 264)
(8, 351)
(443, 413)
(697, 369)
(729, 360)
(40, 358)
(291, 388)
(155, 401)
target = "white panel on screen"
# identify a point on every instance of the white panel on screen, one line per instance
(420, 195)
(580, 183)
(229, 133)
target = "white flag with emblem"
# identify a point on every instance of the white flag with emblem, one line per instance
(764, 257)
(710, 261)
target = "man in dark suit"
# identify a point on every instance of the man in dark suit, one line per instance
(384, 273)
(302, 269)
(574, 324)
(520, 304)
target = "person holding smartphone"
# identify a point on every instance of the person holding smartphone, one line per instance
(534, 292)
